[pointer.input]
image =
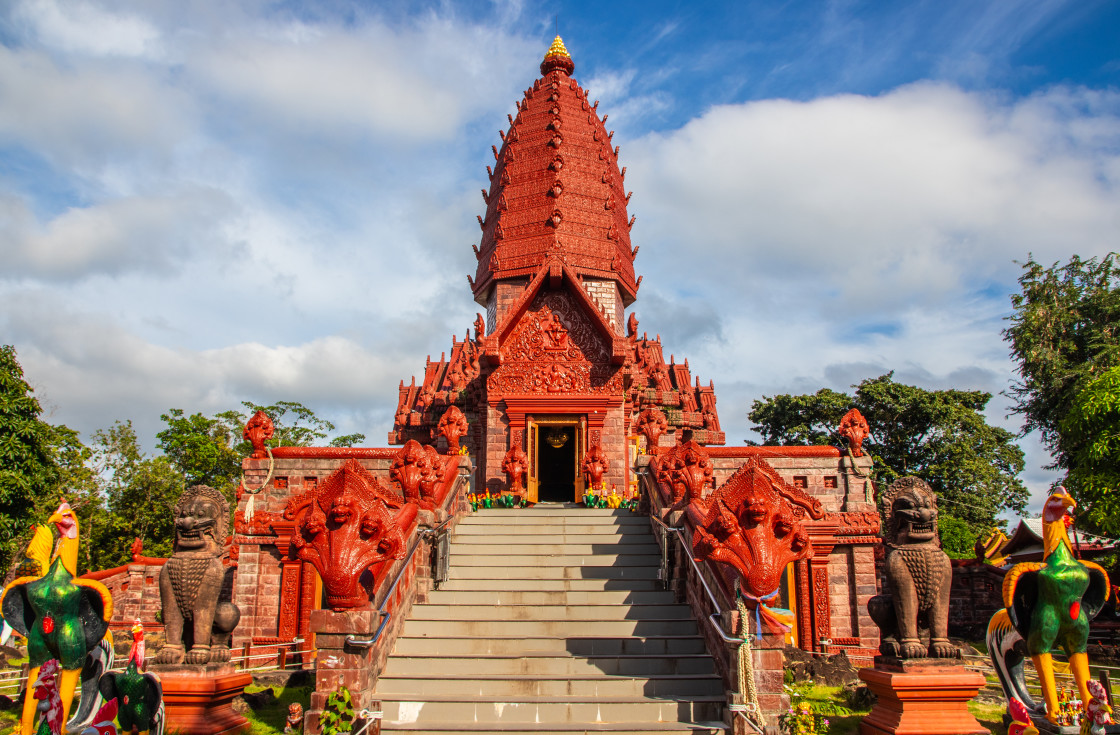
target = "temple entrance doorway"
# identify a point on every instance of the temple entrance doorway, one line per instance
(556, 452)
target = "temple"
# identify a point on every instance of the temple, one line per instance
(555, 367)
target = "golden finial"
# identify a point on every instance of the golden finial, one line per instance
(557, 58)
(557, 48)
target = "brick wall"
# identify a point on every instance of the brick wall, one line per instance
(605, 294)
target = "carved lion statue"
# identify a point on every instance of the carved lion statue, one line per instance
(918, 575)
(198, 621)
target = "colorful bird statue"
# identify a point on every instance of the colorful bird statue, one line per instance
(1020, 719)
(63, 618)
(49, 703)
(1098, 713)
(139, 694)
(1048, 604)
(103, 720)
(34, 564)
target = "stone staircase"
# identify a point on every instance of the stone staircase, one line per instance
(553, 620)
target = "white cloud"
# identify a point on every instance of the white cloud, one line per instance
(81, 27)
(910, 196)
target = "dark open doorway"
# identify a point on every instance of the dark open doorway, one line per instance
(557, 472)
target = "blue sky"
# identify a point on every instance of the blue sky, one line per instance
(203, 203)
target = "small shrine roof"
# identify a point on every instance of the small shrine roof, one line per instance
(1025, 542)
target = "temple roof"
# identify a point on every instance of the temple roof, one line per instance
(556, 189)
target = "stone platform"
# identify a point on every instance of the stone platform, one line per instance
(198, 699)
(921, 697)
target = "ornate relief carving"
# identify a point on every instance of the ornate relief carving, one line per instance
(753, 523)
(555, 349)
(344, 526)
(855, 524)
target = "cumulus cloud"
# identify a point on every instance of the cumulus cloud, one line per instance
(83, 27)
(883, 201)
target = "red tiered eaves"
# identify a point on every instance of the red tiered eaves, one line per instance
(556, 189)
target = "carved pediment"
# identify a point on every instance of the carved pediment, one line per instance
(555, 348)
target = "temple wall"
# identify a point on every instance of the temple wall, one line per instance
(497, 444)
(135, 591)
(502, 296)
(605, 294)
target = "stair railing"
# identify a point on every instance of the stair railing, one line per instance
(714, 618)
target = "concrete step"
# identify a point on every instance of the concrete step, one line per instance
(557, 560)
(479, 709)
(563, 628)
(537, 685)
(548, 663)
(591, 613)
(483, 584)
(540, 547)
(445, 596)
(459, 571)
(605, 530)
(567, 728)
(585, 644)
(589, 535)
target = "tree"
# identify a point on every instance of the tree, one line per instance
(295, 425)
(1064, 335)
(1091, 430)
(203, 449)
(939, 436)
(140, 494)
(29, 473)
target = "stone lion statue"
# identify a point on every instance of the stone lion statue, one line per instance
(918, 574)
(198, 621)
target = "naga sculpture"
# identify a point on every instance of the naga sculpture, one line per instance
(197, 620)
(918, 575)
(431, 470)
(258, 431)
(855, 429)
(514, 464)
(409, 468)
(453, 426)
(687, 469)
(652, 424)
(754, 523)
(346, 525)
(595, 466)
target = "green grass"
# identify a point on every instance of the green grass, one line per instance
(270, 720)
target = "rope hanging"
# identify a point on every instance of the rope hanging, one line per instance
(252, 492)
(748, 688)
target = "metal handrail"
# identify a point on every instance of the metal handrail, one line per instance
(714, 618)
(386, 616)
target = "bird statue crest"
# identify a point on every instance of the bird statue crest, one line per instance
(64, 619)
(139, 694)
(1048, 604)
(102, 723)
(45, 693)
(1098, 713)
(1020, 719)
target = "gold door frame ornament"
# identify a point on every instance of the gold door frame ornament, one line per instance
(532, 425)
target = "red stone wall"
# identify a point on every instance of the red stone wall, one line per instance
(135, 590)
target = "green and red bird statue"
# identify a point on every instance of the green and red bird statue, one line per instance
(1048, 604)
(139, 695)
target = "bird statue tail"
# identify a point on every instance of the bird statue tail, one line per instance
(99, 660)
(1007, 651)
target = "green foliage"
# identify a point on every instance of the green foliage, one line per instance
(140, 493)
(338, 712)
(1091, 429)
(1065, 331)
(202, 448)
(940, 436)
(957, 539)
(29, 471)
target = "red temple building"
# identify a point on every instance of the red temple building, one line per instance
(556, 381)
(556, 357)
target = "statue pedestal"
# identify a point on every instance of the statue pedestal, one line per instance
(925, 696)
(198, 699)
